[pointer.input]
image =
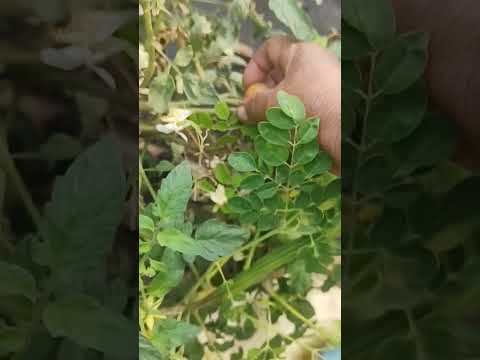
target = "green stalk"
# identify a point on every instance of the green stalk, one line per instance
(149, 39)
(7, 163)
(260, 271)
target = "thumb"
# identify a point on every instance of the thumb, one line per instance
(255, 108)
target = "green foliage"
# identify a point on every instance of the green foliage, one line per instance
(409, 219)
(286, 201)
(241, 203)
(74, 305)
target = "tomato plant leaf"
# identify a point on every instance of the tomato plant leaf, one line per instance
(96, 327)
(218, 239)
(174, 194)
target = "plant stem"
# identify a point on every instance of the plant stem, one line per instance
(7, 163)
(368, 99)
(150, 37)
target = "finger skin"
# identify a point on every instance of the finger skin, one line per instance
(272, 57)
(314, 75)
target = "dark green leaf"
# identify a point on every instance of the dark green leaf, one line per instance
(169, 334)
(402, 63)
(292, 16)
(242, 162)
(277, 118)
(15, 280)
(292, 106)
(306, 153)
(162, 89)
(374, 18)
(96, 327)
(272, 155)
(273, 135)
(174, 194)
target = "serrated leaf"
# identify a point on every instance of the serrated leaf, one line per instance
(219, 239)
(96, 327)
(174, 194)
(86, 208)
(170, 333)
(171, 277)
(176, 240)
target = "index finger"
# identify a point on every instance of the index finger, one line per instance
(274, 54)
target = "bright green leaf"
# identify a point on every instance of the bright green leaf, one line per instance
(273, 155)
(273, 135)
(279, 119)
(242, 162)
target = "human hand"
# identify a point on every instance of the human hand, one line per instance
(305, 70)
(452, 73)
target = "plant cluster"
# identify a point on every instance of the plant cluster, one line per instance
(68, 280)
(410, 217)
(237, 222)
(283, 218)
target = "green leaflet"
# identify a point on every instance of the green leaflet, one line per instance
(162, 89)
(96, 326)
(402, 63)
(273, 155)
(291, 106)
(170, 277)
(170, 334)
(12, 340)
(174, 194)
(176, 240)
(218, 239)
(242, 162)
(273, 135)
(374, 18)
(279, 119)
(15, 280)
(86, 207)
(289, 13)
(213, 239)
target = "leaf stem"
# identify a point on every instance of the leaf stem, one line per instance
(11, 171)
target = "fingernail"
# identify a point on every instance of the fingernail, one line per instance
(242, 113)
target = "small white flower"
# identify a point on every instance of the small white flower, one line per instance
(218, 196)
(176, 121)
